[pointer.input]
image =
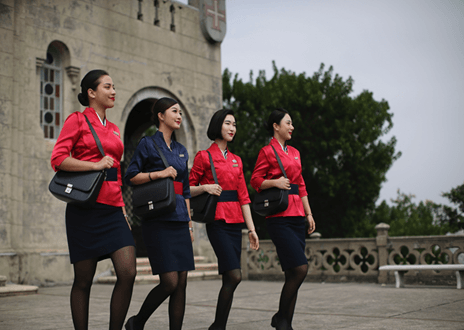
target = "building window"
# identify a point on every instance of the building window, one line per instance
(51, 90)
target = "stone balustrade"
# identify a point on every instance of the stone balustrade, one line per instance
(358, 259)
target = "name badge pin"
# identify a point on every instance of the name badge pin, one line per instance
(181, 155)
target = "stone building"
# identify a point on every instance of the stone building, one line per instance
(150, 48)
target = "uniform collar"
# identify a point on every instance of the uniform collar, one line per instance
(159, 138)
(215, 148)
(276, 143)
(93, 116)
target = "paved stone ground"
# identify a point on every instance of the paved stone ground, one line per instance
(320, 306)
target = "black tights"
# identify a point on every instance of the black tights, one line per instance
(84, 271)
(294, 277)
(230, 280)
(172, 284)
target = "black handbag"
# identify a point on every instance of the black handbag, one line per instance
(79, 188)
(273, 200)
(155, 198)
(203, 207)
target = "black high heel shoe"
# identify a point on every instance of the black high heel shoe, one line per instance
(276, 321)
(130, 323)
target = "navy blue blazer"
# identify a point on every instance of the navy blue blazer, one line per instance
(146, 159)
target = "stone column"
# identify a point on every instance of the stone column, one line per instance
(381, 241)
(244, 255)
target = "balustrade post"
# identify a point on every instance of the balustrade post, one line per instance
(244, 255)
(381, 241)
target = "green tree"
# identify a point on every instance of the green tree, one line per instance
(338, 135)
(406, 218)
(452, 218)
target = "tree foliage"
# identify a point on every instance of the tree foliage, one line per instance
(426, 218)
(407, 218)
(338, 135)
(450, 217)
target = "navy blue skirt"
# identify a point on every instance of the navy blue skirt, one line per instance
(288, 236)
(169, 246)
(96, 232)
(226, 239)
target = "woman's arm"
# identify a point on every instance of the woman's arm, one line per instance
(281, 183)
(196, 174)
(253, 237)
(187, 203)
(141, 178)
(309, 215)
(75, 165)
(213, 189)
(125, 216)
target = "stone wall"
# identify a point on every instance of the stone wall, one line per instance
(358, 259)
(145, 60)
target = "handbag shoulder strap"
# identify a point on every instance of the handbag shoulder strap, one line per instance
(95, 136)
(165, 162)
(280, 163)
(213, 169)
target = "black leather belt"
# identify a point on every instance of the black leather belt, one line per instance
(293, 189)
(111, 174)
(228, 196)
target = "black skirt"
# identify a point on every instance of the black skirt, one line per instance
(96, 232)
(226, 239)
(169, 246)
(288, 236)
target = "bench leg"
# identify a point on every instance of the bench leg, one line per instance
(459, 275)
(399, 277)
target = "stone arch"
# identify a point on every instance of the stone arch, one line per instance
(137, 116)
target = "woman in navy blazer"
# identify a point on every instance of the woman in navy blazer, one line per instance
(168, 238)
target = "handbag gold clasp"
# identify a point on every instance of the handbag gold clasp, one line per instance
(150, 205)
(69, 188)
(266, 203)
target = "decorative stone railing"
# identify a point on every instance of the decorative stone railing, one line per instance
(358, 259)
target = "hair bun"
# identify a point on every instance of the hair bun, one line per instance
(83, 100)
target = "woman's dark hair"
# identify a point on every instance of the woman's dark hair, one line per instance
(275, 117)
(215, 125)
(161, 105)
(91, 80)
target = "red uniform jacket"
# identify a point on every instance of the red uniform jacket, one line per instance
(267, 168)
(77, 140)
(230, 177)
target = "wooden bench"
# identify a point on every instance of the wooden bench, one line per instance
(401, 269)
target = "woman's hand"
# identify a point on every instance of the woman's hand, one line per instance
(191, 236)
(170, 172)
(311, 223)
(104, 163)
(213, 189)
(254, 240)
(282, 183)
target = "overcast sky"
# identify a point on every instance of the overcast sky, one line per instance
(408, 52)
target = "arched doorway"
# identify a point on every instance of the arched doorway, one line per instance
(137, 116)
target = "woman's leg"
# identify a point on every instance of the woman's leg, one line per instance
(168, 284)
(125, 268)
(80, 293)
(230, 280)
(177, 303)
(294, 277)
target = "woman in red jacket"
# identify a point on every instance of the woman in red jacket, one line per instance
(101, 231)
(287, 228)
(232, 210)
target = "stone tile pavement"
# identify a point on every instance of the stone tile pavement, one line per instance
(320, 306)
